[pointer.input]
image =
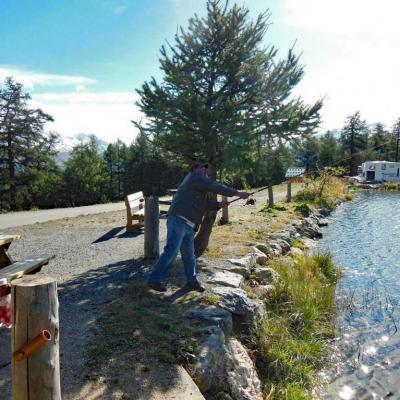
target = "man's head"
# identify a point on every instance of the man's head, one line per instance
(199, 168)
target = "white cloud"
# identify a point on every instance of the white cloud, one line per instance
(31, 79)
(106, 115)
(353, 59)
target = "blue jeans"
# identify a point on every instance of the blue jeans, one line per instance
(180, 236)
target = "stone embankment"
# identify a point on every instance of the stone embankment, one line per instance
(223, 365)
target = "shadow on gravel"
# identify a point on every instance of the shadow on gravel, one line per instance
(129, 337)
(109, 235)
(80, 300)
(130, 234)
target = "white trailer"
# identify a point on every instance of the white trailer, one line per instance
(380, 171)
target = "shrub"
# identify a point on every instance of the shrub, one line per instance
(279, 207)
(390, 186)
(304, 209)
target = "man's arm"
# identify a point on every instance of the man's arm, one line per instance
(205, 184)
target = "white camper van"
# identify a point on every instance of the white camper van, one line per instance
(380, 171)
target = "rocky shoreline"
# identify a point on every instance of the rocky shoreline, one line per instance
(223, 365)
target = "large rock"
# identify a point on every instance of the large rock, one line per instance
(247, 262)
(265, 248)
(242, 376)
(224, 265)
(276, 249)
(226, 278)
(310, 229)
(214, 316)
(266, 274)
(323, 212)
(262, 291)
(246, 312)
(261, 258)
(209, 369)
(295, 251)
(284, 245)
(323, 222)
(234, 300)
(309, 243)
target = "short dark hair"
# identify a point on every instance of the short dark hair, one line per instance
(197, 165)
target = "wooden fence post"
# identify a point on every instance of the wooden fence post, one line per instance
(35, 308)
(225, 213)
(151, 227)
(270, 196)
(289, 191)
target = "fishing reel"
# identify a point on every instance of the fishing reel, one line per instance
(250, 202)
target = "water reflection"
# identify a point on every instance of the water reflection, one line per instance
(364, 238)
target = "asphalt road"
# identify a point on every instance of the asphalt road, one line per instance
(21, 218)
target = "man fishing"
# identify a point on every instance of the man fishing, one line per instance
(187, 210)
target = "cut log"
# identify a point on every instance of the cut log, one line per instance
(35, 309)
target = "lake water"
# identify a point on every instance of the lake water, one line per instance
(364, 239)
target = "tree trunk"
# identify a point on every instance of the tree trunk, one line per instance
(11, 172)
(203, 235)
(35, 310)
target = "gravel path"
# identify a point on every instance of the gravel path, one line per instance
(95, 257)
(22, 218)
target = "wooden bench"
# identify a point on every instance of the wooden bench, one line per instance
(20, 268)
(5, 242)
(134, 211)
(10, 269)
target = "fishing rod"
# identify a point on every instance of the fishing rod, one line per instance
(251, 194)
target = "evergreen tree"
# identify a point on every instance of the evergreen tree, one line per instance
(115, 158)
(354, 139)
(380, 143)
(24, 147)
(306, 154)
(85, 175)
(213, 101)
(329, 150)
(396, 136)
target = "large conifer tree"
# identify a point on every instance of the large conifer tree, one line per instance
(213, 101)
(24, 147)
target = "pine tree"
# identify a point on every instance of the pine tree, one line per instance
(354, 140)
(24, 147)
(219, 87)
(85, 175)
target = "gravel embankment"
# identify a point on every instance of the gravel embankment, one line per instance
(95, 257)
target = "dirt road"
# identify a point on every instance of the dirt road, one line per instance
(21, 218)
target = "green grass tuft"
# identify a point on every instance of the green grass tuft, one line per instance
(289, 340)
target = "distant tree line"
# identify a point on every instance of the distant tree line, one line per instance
(30, 176)
(225, 98)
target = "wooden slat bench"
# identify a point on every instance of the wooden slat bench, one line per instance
(5, 242)
(134, 211)
(20, 268)
(10, 269)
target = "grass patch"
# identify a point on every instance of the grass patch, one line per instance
(289, 341)
(211, 299)
(391, 186)
(298, 244)
(142, 325)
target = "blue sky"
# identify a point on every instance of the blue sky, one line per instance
(81, 60)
